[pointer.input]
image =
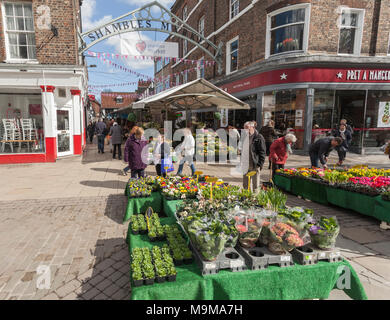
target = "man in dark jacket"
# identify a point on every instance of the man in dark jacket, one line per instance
(320, 150)
(252, 155)
(343, 133)
(100, 130)
(269, 134)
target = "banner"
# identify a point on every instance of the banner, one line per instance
(149, 48)
(384, 114)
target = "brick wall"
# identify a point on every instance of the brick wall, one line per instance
(62, 49)
(251, 28)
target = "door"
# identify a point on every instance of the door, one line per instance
(64, 134)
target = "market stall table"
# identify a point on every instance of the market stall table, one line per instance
(139, 205)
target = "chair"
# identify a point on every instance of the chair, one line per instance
(29, 131)
(8, 136)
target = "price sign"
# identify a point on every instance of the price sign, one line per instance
(211, 180)
(249, 175)
(198, 173)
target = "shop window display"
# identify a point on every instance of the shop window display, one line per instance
(322, 113)
(21, 124)
(287, 109)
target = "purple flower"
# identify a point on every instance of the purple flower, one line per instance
(314, 229)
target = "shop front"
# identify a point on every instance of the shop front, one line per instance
(40, 123)
(311, 102)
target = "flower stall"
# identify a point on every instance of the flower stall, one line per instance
(363, 189)
(215, 241)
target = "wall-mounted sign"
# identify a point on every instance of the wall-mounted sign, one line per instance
(374, 75)
(384, 114)
(149, 48)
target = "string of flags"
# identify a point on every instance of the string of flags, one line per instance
(125, 84)
(151, 58)
(125, 69)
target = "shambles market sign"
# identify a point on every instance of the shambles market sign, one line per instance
(125, 26)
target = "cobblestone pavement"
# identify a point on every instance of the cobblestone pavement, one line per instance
(77, 232)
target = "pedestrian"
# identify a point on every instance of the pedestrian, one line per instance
(100, 131)
(109, 125)
(136, 152)
(342, 149)
(187, 150)
(386, 148)
(126, 159)
(269, 134)
(161, 152)
(253, 154)
(91, 131)
(320, 150)
(348, 127)
(280, 150)
(116, 140)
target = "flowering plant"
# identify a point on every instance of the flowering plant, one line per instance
(324, 232)
(283, 238)
(138, 188)
(179, 188)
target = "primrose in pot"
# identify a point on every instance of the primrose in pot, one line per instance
(152, 235)
(324, 232)
(135, 228)
(161, 273)
(137, 278)
(171, 274)
(149, 274)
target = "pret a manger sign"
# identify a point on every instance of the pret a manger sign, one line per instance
(370, 75)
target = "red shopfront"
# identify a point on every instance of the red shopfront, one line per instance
(311, 101)
(36, 127)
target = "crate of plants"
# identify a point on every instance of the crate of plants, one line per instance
(138, 224)
(137, 188)
(154, 227)
(151, 265)
(178, 245)
(176, 188)
(152, 181)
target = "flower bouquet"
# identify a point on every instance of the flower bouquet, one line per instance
(324, 232)
(297, 218)
(283, 238)
(249, 224)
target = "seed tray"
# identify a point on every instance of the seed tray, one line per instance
(229, 259)
(260, 258)
(309, 254)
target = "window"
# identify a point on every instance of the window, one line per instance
(201, 26)
(200, 69)
(185, 47)
(288, 30)
(177, 79)
(185, 77)
(21, 123)
(159, 64)
(19, 26)
(185, 14)
(119, 99)
(234, 8)
(232, 56)
(62, 93)
(351, 31)
(167, 83)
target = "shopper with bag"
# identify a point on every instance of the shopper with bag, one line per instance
(136, 152)
(116, 140)
(162, 159)
(187, 149)
(279, 152)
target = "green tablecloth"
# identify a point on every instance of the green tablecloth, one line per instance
(273, 283)
(283, 182)
(169, 206)
(338, 197)
(361, 203)
(382, 210)
(139, 205)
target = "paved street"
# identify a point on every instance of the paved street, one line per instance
(67, 216)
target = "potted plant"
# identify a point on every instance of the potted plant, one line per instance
(187, 256)
(283, 238)
(135, 227)
(161, 272)
(324, 232)
(137, 277)
(177, 256)
(171, 274)
(152, 235)
(149, 274)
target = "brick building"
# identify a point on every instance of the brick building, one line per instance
(303, 63)
(111, 102)
(43, 81)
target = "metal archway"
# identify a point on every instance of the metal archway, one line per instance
(151, 17)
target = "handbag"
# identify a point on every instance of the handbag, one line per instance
(167, 165)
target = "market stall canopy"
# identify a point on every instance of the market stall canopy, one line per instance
(195, 95)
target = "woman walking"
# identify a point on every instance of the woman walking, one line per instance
(136, 154)
(279, 151)
(116, 140)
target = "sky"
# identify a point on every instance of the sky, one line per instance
(98, 12)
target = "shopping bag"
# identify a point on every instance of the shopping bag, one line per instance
(167, 165)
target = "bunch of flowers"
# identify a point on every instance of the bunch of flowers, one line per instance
(324, 232)
(138, 188)
(298, 218)
(179, 188)
(283, 238)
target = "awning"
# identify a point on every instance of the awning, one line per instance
(195, 95)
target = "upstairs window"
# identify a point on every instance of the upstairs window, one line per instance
(288, 30)
(351, 31)
(232, 56)
(119, 99)
(19, 29)
(185, 14)
(185, 47)
(201, 26)
(234, 8)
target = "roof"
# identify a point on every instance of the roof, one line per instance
(195, 95)
(109, 99)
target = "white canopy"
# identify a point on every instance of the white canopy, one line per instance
(195, 95)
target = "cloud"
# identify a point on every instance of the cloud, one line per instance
(88, 11)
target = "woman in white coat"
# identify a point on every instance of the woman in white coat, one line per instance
(187, 149)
